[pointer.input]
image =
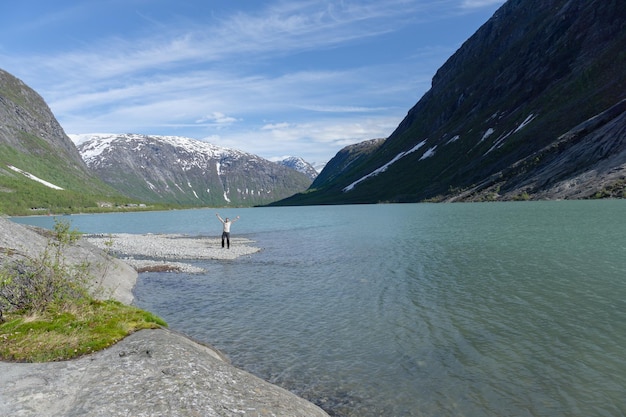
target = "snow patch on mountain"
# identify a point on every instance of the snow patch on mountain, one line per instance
(93, 145)
(387, 165)
(300, 165)
(430, 152)
(34, 178)
(157, 168)
(96, 148)
(488, 133)
(525, 122)
(500, 141)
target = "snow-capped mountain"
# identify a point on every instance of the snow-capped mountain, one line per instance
(186, 171)
(300, 165)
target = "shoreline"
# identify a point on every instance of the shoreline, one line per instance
(149, 372)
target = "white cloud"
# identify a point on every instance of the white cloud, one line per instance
(474, 4)
(218, 119)
(312, 139)
(275, 126)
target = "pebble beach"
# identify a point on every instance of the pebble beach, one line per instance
(168, 252)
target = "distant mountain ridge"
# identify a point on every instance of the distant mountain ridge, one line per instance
(42, 171)
(187, 171)
(341, 164)
(530, 107)
(300, 165)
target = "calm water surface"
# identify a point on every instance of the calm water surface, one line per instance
(501, 309)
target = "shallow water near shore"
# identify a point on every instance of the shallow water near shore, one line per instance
(495, 309)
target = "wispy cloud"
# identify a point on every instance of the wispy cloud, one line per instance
(310, 137)
(258, 80)
(217, 119)
(473, 4)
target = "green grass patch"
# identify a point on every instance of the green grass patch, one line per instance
(80, 329)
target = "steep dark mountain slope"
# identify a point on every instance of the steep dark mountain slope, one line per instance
(345, 159)
(529, 107)
(180, 170)
(39, 165)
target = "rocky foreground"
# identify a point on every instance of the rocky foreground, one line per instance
(149, 373)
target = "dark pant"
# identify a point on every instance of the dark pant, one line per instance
(226, 235)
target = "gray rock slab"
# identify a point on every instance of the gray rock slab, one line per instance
(111, 278)
(149, 373)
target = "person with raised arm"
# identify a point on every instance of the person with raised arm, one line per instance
(226, 231)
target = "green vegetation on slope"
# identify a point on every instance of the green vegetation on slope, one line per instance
(20, 195)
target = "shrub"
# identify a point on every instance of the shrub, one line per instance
(36, 284)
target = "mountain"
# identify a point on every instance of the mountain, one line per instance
(300, 165)
(171, 169)
(339, 165)
(40, 168)
(345, 158)
(530, 107)
(318, 166)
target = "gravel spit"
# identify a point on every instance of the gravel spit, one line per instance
(146, 252)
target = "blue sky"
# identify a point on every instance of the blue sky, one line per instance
(274, 78)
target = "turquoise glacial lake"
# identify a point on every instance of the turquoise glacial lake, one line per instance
(482, 309)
